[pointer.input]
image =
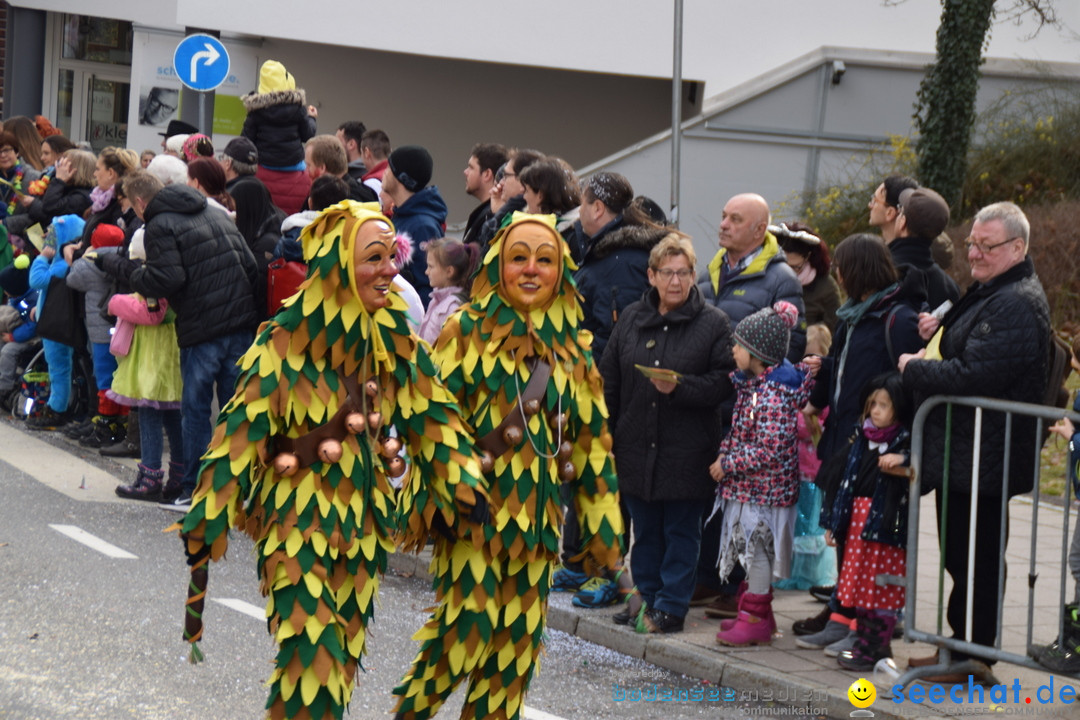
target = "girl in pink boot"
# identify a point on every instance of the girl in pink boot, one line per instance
(758, 468)
(870, 513)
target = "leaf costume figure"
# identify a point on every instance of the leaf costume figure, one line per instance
(528, 387)
(334, 399)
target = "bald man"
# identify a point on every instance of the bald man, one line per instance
(749, 273)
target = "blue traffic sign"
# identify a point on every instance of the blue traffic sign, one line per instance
(201, 62)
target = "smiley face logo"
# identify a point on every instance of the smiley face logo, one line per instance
(862, 693)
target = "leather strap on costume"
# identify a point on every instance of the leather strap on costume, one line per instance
(306, 447)
(495, 442)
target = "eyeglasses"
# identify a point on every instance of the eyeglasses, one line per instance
(666, 274)
(985, 249)
(7, 150)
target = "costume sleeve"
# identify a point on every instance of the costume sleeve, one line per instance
(595, 488)
(238, 453)
(444, 474)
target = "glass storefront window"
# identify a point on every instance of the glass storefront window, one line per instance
(107, 121)
(96, 39)
(65, 98)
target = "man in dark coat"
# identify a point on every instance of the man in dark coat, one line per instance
(199, 262)
(419, 210)
(994, 344)
(923, 216)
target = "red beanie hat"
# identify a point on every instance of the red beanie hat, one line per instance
(106, 235)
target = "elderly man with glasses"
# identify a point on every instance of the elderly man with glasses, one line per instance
(993, 343)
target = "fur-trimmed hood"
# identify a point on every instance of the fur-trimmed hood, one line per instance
(258, 101)
(640, 237)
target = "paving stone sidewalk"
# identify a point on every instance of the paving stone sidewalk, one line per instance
(805, 679)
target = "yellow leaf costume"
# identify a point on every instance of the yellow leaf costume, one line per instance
(493, 598)
(323, 531)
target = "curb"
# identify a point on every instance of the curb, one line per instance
(753, 683)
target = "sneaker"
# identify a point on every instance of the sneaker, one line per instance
(844, 644)
(623, 617)
(181, 504)
(566, 580)
(597, 592)
(822, 593)
(658, 621)
(816, 624)
(49, 419)
(832, 632)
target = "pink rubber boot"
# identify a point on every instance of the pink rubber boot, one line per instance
(752, 625)
(771, 619)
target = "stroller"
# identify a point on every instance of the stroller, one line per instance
(29, 399)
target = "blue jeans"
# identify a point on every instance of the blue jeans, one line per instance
(58, 356)
(667, 538)
(151, 423)
(203, 368)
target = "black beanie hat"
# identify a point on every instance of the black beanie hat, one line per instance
(15, 282)
(412, 166)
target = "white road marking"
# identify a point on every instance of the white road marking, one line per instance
(243, 607)
(93, 542)
(534, 714)
(58, 468)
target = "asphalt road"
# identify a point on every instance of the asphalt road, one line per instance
(90, 635)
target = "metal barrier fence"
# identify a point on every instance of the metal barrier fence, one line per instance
(948, 644)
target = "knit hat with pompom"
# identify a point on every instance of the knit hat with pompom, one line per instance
(765, 334)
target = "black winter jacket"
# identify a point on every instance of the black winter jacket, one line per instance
(613, 275)
(197, 259)
(59, 199)
(279, 125)
(867, 358)
(994, 345)
(664, 444)
(915, 253)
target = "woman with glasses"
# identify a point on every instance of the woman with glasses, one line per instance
(665, 374)
(15, 179)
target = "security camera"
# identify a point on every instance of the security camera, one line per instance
(838, 70)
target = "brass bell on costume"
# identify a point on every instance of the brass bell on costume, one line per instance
(391, 447)
(330, 450)
(512, 435)
(531, 407)
(396, 466)
(286, 464)
(372, 388)
(374, 421)
(567, 471)
(566, 450)
(355, 423)
(487, 462)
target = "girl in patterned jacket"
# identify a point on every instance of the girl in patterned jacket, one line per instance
(758, 468)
